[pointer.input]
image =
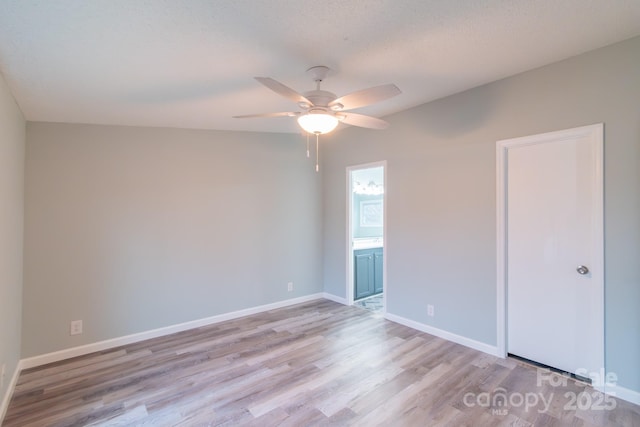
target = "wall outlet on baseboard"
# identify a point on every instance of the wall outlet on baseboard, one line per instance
(75, 327)
(430, 311)
(290, 287)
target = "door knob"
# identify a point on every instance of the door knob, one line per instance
(582, 270)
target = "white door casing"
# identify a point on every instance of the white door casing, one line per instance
(550, 221)
(349, 235)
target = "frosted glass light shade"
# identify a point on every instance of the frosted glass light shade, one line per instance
(317, 123)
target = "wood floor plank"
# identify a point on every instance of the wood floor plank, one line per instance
(318, 363)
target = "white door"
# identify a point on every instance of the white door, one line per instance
(554, 260)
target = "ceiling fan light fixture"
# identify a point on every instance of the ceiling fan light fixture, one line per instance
(318, 122)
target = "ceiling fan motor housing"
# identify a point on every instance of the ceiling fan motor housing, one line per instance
(319, 98)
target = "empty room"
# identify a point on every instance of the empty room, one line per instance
(300, 213)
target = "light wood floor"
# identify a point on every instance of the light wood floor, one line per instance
(318, 363)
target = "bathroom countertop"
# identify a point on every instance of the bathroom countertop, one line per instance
(372, 243)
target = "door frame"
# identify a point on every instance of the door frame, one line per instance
(349, 231)
(595, 133)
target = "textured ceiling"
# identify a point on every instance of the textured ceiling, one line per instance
(190, 63)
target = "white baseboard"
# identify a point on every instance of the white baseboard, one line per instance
(334, 298)
(68, 353)
(467, 342)
(629, 395)
(7, 396)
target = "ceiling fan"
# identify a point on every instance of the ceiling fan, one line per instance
(323, 110)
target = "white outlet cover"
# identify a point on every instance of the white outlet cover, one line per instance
(430, 310)
(75, 327)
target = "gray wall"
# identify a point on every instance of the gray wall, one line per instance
(12, 142)
(441, 194)
(131, 229)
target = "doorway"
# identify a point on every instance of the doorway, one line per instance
(366, 236)
(550, 250)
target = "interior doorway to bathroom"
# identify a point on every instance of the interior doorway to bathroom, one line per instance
(366, 212)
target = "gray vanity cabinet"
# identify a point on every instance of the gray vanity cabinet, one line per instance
(367, 269)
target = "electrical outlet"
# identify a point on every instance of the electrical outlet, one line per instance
(290, 286)
(430, 311)
(75, 328)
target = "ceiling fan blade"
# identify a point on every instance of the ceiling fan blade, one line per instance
(363, 121)
(365, 97)
(283, 114)
(283, 90)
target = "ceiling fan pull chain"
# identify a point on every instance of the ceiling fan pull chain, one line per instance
(317, 151)
(307, 146)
